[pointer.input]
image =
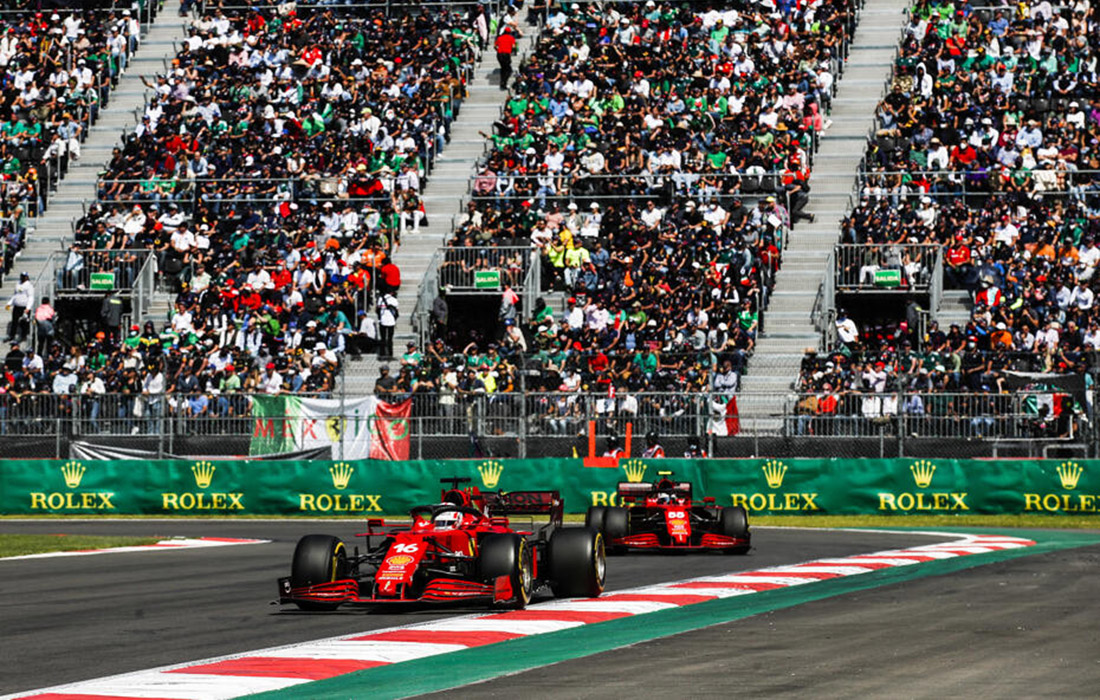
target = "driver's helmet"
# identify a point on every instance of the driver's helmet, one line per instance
(664, 497)
(447, 520)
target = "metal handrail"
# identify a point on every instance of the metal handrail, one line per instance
(76, 267)
(856, 264)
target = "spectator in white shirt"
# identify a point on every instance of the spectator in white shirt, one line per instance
(271, 381)
(846, 328)
(65, 382)
(1087, 258)
(1082, 297)
(183, 240)
(652, 216)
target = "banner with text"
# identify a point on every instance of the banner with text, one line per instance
(374, 487)
(286, 423)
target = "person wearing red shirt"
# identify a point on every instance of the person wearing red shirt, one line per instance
(281, 278)
(174, 144)
(794, 183)
(359, 277)
(230, 296)
(256, 24)
(827, 405)
(960, 268)
(505, 45)
(598, 362)
(963, 154)
(312, 55)
(989, 297)
(391, 276)
(250, 299)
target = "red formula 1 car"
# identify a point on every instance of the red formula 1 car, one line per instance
(662, 515)
(459, 550)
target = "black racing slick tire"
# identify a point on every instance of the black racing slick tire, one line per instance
(501, 554)
(318, 559)
(616, 524)
(594, 517)
(578, 567)
(734, 522)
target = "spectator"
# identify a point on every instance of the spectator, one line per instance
(45, 318)
(20, 306)
(388, 312)
(505, 44)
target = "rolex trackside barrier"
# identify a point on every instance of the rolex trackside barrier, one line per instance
(372, 488)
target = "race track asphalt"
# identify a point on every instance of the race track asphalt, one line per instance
(1023, 628)
(75, 618)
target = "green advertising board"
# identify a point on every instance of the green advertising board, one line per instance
(487, 279)
(887, 278)
(102, 281)
(367, 487)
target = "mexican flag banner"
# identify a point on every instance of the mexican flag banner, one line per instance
(286, 423)
(724, 418)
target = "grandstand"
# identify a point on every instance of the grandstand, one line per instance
(665, 208)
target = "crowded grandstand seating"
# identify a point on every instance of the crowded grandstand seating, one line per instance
(277, 165)
(986, 146)
(655, 158)
(57, 69)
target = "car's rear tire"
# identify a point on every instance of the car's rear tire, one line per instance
(578, 567)
(616, 524)
(594, 517)
(734, 522)
(502, 554)
(318, 559)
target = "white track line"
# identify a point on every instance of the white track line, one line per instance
(162, 546)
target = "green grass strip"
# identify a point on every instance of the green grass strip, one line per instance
(482, 663)
(19, 545)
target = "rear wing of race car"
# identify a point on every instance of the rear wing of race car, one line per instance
(526, 503)
(631, 491)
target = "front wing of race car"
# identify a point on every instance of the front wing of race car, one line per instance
(352, 592)
(653, 540)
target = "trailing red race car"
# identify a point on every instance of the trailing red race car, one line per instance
(462, 549)
(662, 515)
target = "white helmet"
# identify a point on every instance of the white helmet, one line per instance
(447, 520)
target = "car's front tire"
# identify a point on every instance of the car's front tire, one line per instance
(508, 555)
(734, 522)
(318, 559)
(616, 524)
(578, 566)
(594, 517)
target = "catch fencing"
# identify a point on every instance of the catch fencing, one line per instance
(575, 423)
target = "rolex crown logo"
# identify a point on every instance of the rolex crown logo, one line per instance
(774, 471)
(922, 473)
(204, 473)
(490, 473)
(635, 470)
(73, 473)
(1069, 473)
(341, 474)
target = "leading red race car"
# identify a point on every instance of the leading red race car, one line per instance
(462, 549)
(662, 515)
